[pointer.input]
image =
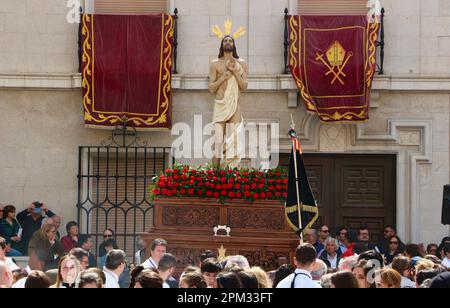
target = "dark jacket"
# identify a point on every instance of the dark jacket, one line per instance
(7, 231)
(30, 226)
(46, 252)
(324, 257)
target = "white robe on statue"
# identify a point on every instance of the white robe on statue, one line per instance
(223, 111)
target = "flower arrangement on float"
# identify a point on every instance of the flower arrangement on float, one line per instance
(221, 184)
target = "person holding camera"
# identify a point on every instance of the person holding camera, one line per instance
(31, 221)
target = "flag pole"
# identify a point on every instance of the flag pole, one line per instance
(293, 135)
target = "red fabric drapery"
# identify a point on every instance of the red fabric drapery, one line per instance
(332, 59)
(127, 70)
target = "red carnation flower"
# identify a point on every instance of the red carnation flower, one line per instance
(194, 171)
(162, 184)
(170, 184)
(231, 180)
(223, 180)
(271, 181)
(271, 187)
(278, 181)
(238, 195)
(176, 184)
(278, 187)
(253, 186)
(157, 191)
(216, 195)
(231, 194)
(210, 172)
(230, 171)
(237, 186)
(184, 177)
(261, 186)
(174, 191)
(176, 171)
(230, 186)
(201, 184)
(192, 178)
(169, 170)
(164, 191)
(284, 195)
(199, 179)
(182, 191)
(185, 170)
(222, 172)
(263, 195)
(218, 187)
(255, 196)
(238, 173)
(245, 180)
(262, 180)
(247, 194)
(191, 191)
(200, 193)
(285, 187)
(256, 180)
(269, 195)
(278, 174)
(278, 194)
(215, 179)
(176, 177)
(223, 192)
(169, 193)
(245, 174)
(191, 183)
(285, 181)
(246, 187)
(209, 193)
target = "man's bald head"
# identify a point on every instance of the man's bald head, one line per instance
(6, 277)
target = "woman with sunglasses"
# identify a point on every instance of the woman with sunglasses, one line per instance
(108, 236)
(393, 248)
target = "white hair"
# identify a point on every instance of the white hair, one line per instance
(240, 261)
(331, 239)
(325, 282)
(320, 270)
(347, 264)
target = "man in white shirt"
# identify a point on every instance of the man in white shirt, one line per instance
(114, 266)
(305, 259)
(158, 248)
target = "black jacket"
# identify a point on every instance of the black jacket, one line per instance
(323, 256)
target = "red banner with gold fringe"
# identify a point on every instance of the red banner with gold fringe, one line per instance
(127, 70)
(332, 59)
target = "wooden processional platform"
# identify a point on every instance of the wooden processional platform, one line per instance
(258, 230)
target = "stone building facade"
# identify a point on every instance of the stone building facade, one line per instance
(41, 107)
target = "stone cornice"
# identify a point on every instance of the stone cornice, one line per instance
(257, 83)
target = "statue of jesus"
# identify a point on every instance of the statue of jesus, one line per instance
(227, 78)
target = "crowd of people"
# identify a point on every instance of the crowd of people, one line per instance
(347, 260)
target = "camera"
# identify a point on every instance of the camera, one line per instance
(37, 207)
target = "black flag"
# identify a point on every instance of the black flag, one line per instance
(299, 194)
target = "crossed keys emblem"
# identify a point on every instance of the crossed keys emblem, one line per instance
(337, 58)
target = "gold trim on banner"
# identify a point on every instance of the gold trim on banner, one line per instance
(306, 208)
(165, 79)
(369, 39)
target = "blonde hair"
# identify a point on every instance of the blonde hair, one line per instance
(424, 264)
(390, 277)
(263, 279)
(43, 233)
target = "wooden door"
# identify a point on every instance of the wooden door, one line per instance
(353, 190)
